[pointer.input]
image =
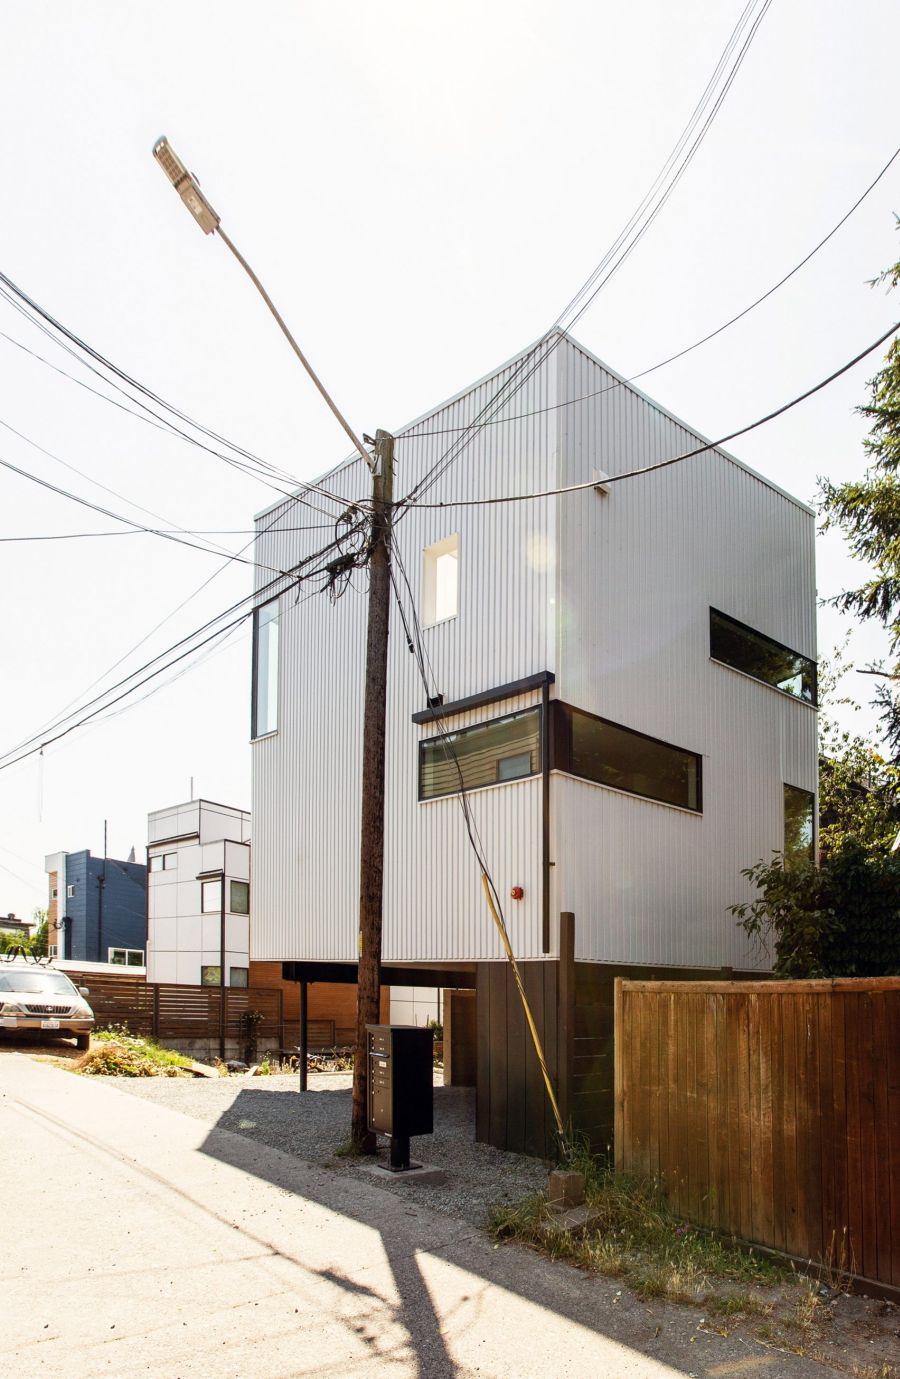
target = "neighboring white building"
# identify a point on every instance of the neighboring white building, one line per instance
(198, 894)
(628, 675)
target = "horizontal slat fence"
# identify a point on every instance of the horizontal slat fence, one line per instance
(769, 1111)
(171, 1011)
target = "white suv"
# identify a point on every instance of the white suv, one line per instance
(37, 998)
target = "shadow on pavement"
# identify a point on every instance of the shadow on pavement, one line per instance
(585, 1301)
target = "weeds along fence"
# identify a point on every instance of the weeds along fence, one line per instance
(174, 1012)
(769, 1111)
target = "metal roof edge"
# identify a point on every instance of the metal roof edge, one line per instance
(514, 359)
(425, 416)
(664, 411)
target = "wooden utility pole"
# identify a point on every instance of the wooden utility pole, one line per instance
(371, 853)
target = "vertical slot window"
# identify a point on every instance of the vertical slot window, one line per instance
(799, 827)
(440, 583)
(265, 669)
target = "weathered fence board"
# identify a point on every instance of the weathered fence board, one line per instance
(770, 1111)
(170, 1011)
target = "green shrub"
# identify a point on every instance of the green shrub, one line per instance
(115, 1052)
(841, 919)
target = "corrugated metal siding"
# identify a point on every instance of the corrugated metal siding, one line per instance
(306, 777)
(610, 593)
(640, 568)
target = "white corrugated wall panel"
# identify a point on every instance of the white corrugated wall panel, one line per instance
(307, 776)
(610, 593)
(640, 568)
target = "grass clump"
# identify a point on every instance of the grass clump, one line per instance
(115, 1052)
(636, 1237)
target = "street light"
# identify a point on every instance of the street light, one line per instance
(186, 185)
(374, 716)
(188, 188)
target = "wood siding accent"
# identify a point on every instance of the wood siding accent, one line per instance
(770, 1111)
(512, 1110)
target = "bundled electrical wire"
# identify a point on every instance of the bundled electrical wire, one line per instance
(640, 221)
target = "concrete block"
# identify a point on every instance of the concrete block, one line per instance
(577, 1220)
(432, 1177)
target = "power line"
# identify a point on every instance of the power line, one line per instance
(661, 187)
(155, 531)
(671, 171)
(492, 894)
(66, 464)
(118, 517)
(47, 320)
(260, 471)
(679, 354)
(659, 464)
(32, 746)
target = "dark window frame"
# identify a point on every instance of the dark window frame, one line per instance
(561, 754)
(254, 675)
(472, 727)
(773, 642)
(793, 860)
(231, 884)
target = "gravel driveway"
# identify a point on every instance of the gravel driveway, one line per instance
(312, 1126)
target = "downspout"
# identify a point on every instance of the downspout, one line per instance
(222, 958)
(545, 817)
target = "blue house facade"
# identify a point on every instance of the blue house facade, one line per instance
(97, 910)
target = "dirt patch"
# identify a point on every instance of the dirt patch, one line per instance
(732, 1292)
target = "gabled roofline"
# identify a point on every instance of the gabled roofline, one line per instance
(408, 426)
(664, 411)
(619, 378)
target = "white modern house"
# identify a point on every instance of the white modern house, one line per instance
(198, 895)
(627, 675)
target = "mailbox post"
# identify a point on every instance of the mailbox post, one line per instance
(401, 1087)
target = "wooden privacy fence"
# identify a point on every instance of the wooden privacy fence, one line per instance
(769, 1111)
(171, 1011)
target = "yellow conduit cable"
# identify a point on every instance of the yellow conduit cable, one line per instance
(535, 1037)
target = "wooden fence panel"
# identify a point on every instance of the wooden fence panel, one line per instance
(118, 998)
(170, 1011)
(769, 1111)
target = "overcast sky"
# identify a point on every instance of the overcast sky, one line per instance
(422, 188)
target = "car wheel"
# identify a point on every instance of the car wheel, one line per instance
(83, 1042)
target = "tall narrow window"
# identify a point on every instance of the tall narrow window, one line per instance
(265, 669)
(799, 827)
(440, 583)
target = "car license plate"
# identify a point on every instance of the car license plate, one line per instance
(49, 1024)
(8, 1022)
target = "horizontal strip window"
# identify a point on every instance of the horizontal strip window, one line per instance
(595, 749)
(745, 649)
(503, 749)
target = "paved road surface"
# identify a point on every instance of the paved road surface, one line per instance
(138, 1243)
